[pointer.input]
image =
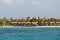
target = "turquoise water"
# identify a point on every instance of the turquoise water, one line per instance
(30, 33)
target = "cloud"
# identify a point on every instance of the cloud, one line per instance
(36, 3)
(7, 1)
(18, 2)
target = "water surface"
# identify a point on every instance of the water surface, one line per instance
(30, 33)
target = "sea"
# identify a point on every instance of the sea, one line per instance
(30, 33)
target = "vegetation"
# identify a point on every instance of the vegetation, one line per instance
(1, 23)
(28, 21)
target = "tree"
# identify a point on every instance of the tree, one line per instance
(33, 20)
(22, 20)
(48, 22)
(39, 22)
(28, 19)
(38, 17)
(44, 20)
(7, 22)
(52, 19)
(55, 21)
(11, 19)
(1, 23)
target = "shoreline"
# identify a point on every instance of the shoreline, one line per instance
(29, 26)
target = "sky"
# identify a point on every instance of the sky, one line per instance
(32, 8)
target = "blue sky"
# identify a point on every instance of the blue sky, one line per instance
(32, 8)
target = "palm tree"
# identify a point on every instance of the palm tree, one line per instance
(44, 20)
(11, 18)
(48, 22)
(22, 20)
(39, 22)
(33, 20)
(7, 22)
(55, 20)
(38, 17)
(27, 19)
(4, 20)
(1, 23)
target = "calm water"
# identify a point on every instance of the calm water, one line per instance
(29, 33)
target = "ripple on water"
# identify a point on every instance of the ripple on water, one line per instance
(29, 33)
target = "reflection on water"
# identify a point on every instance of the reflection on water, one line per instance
(29, 33)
